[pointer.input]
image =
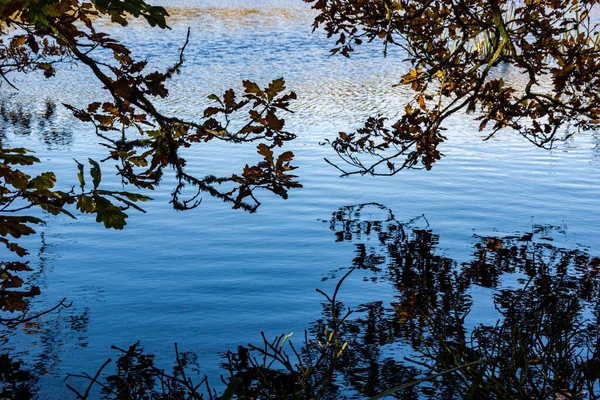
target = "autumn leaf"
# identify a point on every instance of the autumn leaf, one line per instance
(275, 87)
(253, 88)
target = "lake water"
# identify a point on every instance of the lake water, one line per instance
(213, 278)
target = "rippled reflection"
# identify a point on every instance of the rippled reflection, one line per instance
(16, 383)
(542, 340)
(33, 343)
(37, 120)
(526, 308)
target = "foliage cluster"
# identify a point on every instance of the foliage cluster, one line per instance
(459, 51)
(141, 141)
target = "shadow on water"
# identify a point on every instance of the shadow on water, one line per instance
(524, 307)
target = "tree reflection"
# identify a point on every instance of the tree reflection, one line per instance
(539, 338)
(42, 122)
(16, 383)
(33, 342)
(544, 343)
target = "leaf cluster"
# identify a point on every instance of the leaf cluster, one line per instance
(20, 191)
(459, 51)
(142, 141)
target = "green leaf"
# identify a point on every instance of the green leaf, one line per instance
(95, 172)
(16, 178)
(86, 204)
(16, 226)
(43, 181)
(215, 98)
(130, 203)
(118, 18)
(80, 174)
(232, 388)
(109, 214)
(131, 196)
(17, 156)
(135, 196)
(17, 150)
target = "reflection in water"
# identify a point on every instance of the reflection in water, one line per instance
(336, 95)
(596, 148)
(45, 341)
(541, 341)
(40, 121)
(33, 343)
(15, 383)
(545, 342)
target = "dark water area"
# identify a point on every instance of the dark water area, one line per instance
(498, 232)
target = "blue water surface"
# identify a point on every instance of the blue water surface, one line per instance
(213, 278)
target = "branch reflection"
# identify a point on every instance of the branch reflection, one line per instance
(544, 341)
